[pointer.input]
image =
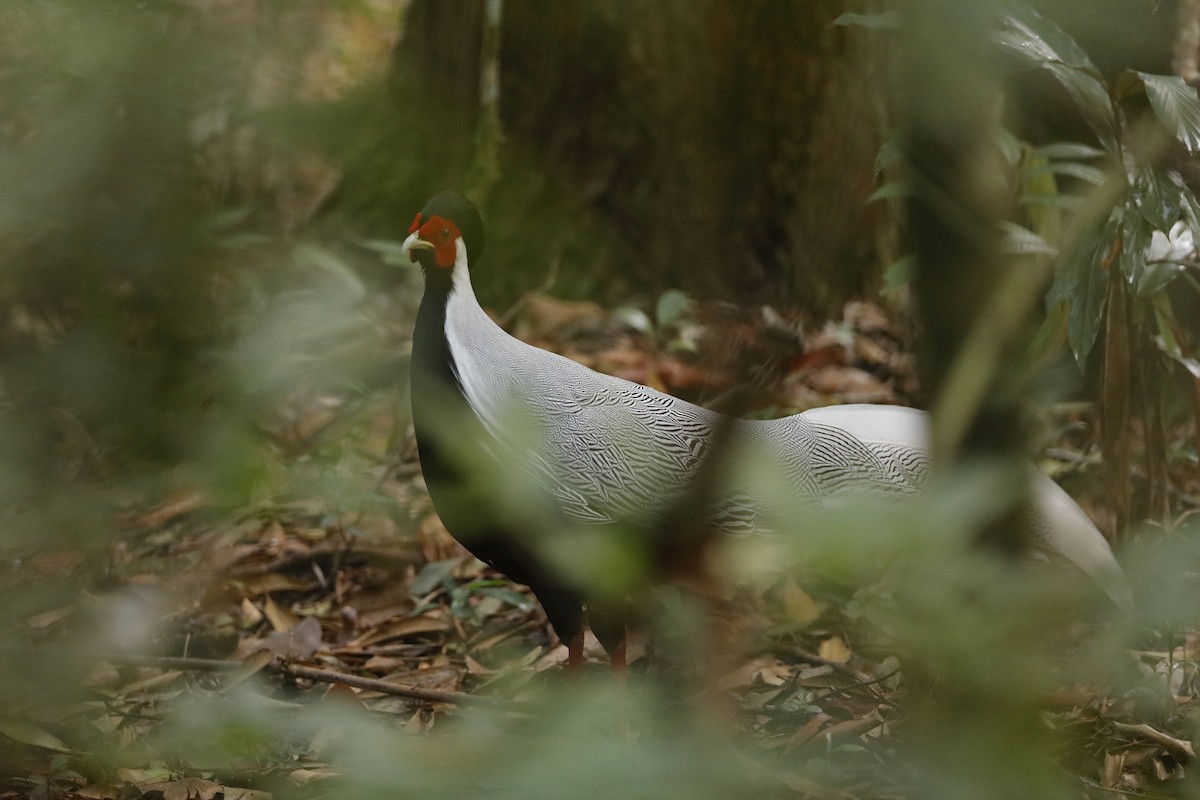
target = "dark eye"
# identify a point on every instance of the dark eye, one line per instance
(445, 234)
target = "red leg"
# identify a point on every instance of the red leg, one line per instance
(575, 655)
(616, 659)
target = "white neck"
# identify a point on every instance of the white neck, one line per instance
(474, 339)
(460, 277)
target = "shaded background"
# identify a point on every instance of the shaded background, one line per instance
(204, 333)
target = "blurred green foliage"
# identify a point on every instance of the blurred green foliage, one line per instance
(167, 298)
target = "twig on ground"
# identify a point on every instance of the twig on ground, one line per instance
(313, 674)
(1180, 749)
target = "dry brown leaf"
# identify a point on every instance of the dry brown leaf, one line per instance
(681, 376)
(493, 639)
(251, 616)
(554, 657)
(542, 317)
(436, 542)
(768, 669)
(1114, 765)
(444, 677)
(300, 777)
(382, 664)
(42, 621)
(808, 731)
(188, 789)
(266, 582)
(314, 421)
(154, 681)
(417, 723)
(55, 563)
(25, 732)
(798, 604)
(849, 383)
(175, 504)
(1180, 749)
(300, 641)
(251, 665)
(282, 619)
(476, 668)
(834, 649)
(808, 788)
(101, 791)
(343, 696)
(402, 628)
(850, 729)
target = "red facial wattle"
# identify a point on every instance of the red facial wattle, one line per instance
(442, 234)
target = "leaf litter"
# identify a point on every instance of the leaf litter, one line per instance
(383, 609)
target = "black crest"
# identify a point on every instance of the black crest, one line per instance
(463, 213)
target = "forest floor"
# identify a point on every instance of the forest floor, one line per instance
(377, 611)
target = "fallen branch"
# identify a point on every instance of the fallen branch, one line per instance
(385, 687)
(312, 674)
(1180, 749)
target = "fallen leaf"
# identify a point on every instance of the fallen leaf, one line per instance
(26, 732)
(45, 619)
(251, 665)
(251, 616)
(798, 604)
(476, 668)
(300, 777)
(834, 649)
(174, 505)
(343, 696)
(768, 669)
(382, 664)
(268, 582)
(543, 317)
(280, 617)
(155, 681)
(101, 791)
(300, 641)
(402, 628)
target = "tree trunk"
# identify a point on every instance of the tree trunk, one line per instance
(721, 147)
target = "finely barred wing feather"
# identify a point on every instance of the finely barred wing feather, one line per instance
(827, 462)
(618, 450)
(605, 448)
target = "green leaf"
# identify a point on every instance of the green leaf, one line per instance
(884, 21)
(1176, 106)
(1073, 169)
(1067, 150)
(1010, 146)
(889, 153)
(1189, 209)
(1158, 276)
(227, 218)
(1080, 283)
(25, 732)
(1157, 199)
(890, 190)
(1016, 240)
(1135, 241)
(1045, 219)
(1052, 200)
(1035, 40)
(432, 575)
(1164, 319)
(506, 595)
(635, 318)
(898, 273)
(671, 304)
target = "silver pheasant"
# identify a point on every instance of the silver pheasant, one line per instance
(605, 450)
